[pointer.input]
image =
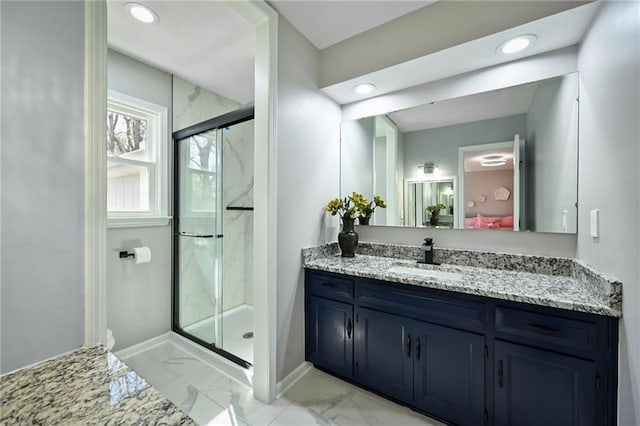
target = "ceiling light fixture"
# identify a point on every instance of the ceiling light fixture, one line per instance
(493, 161)
(142, 13)
(516, 44)
(364, 88)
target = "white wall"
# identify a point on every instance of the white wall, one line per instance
(139, 296)
(609, 64)
(552, 155)
(308, 155)
(43, 180)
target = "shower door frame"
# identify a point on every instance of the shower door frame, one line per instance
(229, 119)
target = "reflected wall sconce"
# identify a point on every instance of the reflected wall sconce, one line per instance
(428, 167)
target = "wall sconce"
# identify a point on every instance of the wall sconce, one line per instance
(428, 167)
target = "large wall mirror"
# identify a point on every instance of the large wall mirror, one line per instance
(504, 160)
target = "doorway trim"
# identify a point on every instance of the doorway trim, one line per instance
(265, 20)
(95, 185)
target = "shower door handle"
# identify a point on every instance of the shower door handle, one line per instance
(188, 234)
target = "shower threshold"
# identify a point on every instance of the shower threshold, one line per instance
(236, 322)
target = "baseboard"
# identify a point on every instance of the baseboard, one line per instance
(290, 379)
(37, 363)
(231, 369)
(125, 353)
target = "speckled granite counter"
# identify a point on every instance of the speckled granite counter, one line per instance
(555, 282)
(89, 387)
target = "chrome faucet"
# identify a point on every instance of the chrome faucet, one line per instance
(427, 248)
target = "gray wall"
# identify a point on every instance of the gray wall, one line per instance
(43, 180)
(440, 145)
(356, 156)
(609, 64)
(308, 177)
(139, 296)
(552, 155)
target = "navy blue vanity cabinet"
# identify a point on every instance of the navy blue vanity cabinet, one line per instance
(384, 349)
(449, 373)
(329, 323)
(437, 369)
(465, 359)
(536, 387)
(553, 366)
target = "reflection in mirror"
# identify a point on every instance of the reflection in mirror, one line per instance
(510, 156)
(430, 203)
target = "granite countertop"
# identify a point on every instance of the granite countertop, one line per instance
(574, 286)
(89, 387)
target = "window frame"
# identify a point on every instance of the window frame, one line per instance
(157, 146)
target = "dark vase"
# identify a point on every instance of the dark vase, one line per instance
(434, 217)
(363, 220)
(348, 238)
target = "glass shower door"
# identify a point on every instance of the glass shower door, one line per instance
(198, 238)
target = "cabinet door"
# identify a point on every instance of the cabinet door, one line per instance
(384, 350)
(536, 387)
(449, 373)
(330, 335)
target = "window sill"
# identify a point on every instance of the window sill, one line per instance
(137, 222)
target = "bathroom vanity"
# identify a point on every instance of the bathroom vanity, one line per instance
(469, 345)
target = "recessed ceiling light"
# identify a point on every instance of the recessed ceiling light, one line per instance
(142, 13)
(364, 88)
(516, 44)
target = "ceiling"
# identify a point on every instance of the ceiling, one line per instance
(466, 109)
(208, 43)
(204, 42)
(328, 22)
(553, 32)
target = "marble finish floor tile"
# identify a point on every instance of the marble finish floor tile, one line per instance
(185, 366)
(150, 369)
(297, 415)
(200, 408)
(239, 401)
(321, 394)
(362, 409)
(211, 398)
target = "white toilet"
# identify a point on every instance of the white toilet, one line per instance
(110, 340)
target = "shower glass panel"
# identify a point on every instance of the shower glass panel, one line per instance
(199, 236)
(213, 235)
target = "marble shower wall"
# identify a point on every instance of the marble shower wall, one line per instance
(199, 299)
(237, 184)
(193, 104)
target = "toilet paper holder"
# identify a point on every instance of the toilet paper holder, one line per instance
(125, 254)
(139, 255)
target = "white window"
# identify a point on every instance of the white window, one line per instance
(137, 141)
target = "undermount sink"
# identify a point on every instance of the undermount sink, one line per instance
(427, 273)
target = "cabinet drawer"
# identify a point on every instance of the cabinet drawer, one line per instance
(330, 286)
(423, 305)
(542, 328)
